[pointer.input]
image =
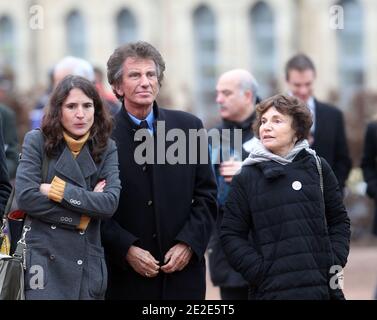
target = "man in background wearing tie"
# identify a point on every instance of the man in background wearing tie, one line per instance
(328, 136)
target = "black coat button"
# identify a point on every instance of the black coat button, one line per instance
(150, 202)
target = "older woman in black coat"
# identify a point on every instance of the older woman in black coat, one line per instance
(285, 234)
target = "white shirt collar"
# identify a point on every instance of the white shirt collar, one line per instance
(311, 104)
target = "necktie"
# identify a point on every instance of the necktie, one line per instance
(143, 124)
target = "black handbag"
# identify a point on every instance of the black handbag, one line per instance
(13, 232)
(12, 270)
(11, 279)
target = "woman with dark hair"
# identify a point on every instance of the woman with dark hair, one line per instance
(64, 256)
(285, 228)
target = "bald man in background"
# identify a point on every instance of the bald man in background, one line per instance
(236, 95)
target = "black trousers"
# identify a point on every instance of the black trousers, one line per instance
(234, 293)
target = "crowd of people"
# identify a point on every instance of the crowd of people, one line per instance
(105, 226)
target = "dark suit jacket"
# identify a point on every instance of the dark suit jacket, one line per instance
(9, 130)
(368, 162)
(160, 205)
(369, 166)
(5, 187)
(222, 274)
(330, 140)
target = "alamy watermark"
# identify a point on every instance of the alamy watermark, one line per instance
(336, 17)
(37, 279)
(36, 20)
(176, 146)
(337, 280)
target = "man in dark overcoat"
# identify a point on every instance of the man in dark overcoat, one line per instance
(155, 242)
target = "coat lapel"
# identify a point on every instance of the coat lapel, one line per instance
(86, 162)
(76, 170)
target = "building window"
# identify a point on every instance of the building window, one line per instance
(263, 51)
(7, 42)
(76, 35)
(205, 45)
(126, 27)
(350, 49)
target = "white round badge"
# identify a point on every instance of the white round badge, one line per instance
(296, 185)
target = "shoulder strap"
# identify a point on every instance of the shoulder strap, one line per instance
(319, 168)
(21, 245)
(44, 167)
(44, 161)
(8, 206)
(11, 196)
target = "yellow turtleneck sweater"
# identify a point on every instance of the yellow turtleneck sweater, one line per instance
(56, 192)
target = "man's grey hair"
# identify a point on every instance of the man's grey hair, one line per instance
(248, 82)
(77, 67)
(139, 49)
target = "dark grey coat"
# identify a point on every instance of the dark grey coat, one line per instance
(73, 262)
